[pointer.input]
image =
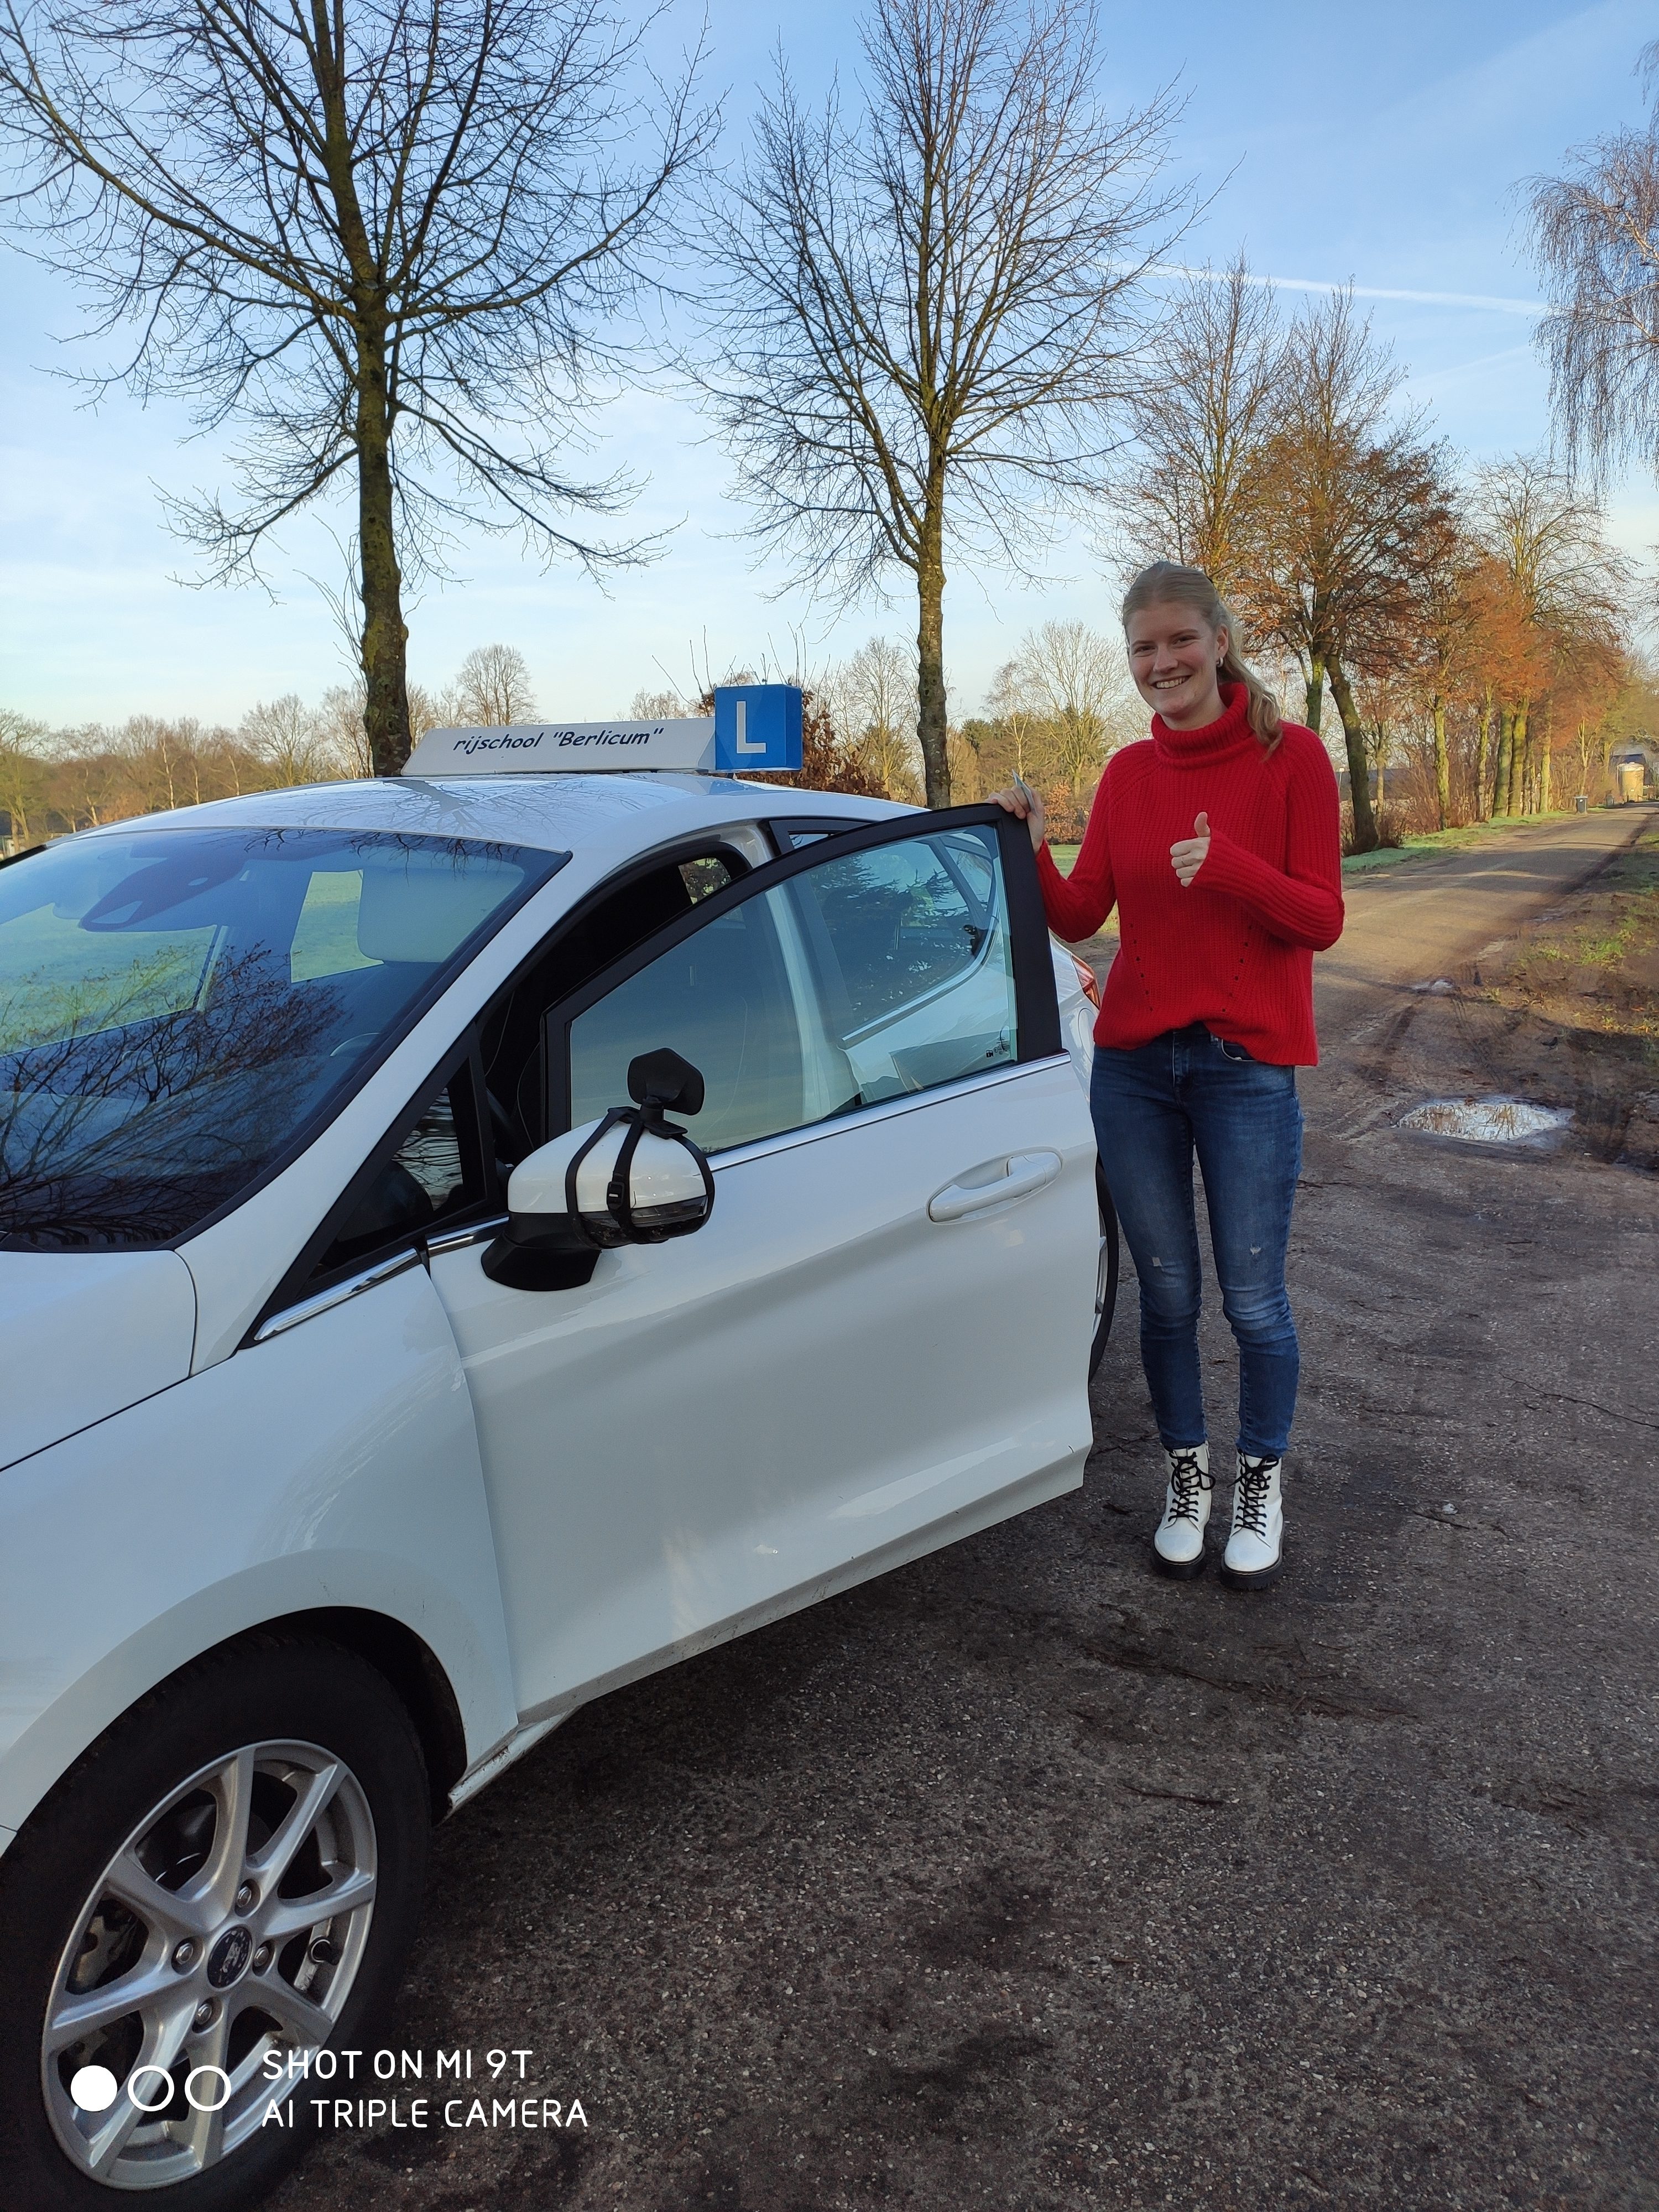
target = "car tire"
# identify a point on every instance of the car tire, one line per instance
(280, 1777)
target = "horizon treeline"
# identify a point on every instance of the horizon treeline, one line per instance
(1464, 638)
(1554, 703)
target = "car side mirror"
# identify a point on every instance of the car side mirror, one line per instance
(631, 1177)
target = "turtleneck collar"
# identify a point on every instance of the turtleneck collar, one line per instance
(1229, 733)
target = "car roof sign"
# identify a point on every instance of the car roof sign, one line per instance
(542, 748)
(754, 727)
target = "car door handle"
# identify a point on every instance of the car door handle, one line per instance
(1001, 1185)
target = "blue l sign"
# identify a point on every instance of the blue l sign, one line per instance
(757, 727)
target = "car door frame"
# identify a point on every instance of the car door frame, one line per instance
(1036, 1006)
(550, 1684)
(303, 1290)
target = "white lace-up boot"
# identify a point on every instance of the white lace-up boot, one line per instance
(1255, 1551)
(1178, 1541)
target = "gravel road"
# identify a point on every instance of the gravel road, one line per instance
(1022, 1879)
(1422, 917)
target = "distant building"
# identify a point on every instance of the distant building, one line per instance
(1634, 765)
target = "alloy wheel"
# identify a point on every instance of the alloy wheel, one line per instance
(228, 1928)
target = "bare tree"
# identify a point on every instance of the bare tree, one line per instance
(290, 740)
(872, 699)
(924, 324)
(1355, 508)
(162, 761)
(342, 715)
(88, 784)
(493, 687)
(1191, 487)
(659, 706)
(385, 238)
(1596, 240)
(1078, 682)
(1563, 579)
(1017, 715)
(1443, 629)
(22, 772)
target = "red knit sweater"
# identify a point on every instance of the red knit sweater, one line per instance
(1234, 949)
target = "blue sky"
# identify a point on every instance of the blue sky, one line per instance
(1379, 144)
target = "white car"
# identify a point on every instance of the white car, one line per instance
(353, 1432)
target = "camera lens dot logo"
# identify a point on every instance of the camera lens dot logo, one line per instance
(227, 1960)
(93, 2088)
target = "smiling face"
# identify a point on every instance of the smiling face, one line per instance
(1174, 656)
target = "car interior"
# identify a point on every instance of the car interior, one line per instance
(646, 902)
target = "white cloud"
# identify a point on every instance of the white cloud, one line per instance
(1361, 291)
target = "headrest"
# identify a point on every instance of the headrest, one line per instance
(417, 909)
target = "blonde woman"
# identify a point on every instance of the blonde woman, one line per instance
(1216, 840)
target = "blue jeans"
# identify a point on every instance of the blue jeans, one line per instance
(1185, 1092)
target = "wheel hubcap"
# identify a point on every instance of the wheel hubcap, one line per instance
(231, 1924)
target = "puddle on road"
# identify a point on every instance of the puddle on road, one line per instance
(1485, 1121)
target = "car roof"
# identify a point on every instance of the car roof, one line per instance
(557, 813)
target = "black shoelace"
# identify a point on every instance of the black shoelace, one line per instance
(1186, 1480)
(1250, 1499)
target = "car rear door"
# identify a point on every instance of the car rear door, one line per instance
(879, 1339)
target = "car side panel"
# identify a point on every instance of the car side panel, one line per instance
(715, 1429)
(335, 1465)
(1077, 1016)
(86, 1333)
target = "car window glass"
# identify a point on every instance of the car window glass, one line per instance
(722, 997)
(325, 933)
(432, 1179)
(869, 977)
(903, 919)
(178, 1008)
(604, 929)
(917, 959)
(703, 877)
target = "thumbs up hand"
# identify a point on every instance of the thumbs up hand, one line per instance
(1187, 857)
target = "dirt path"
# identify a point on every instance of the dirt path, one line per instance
(1021, 1879)
(1421, 918)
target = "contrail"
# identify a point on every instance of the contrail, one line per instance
(1360, 291)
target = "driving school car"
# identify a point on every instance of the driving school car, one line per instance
(470, 1239)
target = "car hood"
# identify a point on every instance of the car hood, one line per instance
(86, 1333)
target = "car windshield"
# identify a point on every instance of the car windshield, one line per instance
(180, 1009)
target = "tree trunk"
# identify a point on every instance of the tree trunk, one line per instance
(1313, 687)
(386, 635)
(1482, 757)
(1500, 788)
(930, 654)
(1442, 765)
(1546, 754)
(1359, 785)
(1518, 761)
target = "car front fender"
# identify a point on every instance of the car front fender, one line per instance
(335, 1466)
